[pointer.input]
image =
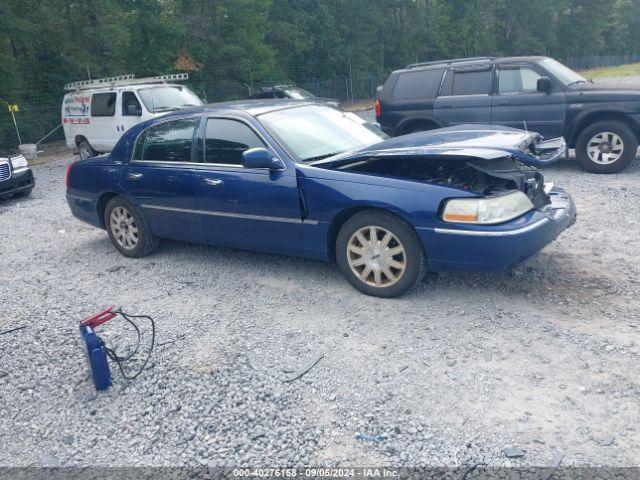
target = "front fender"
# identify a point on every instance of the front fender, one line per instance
(330, 192)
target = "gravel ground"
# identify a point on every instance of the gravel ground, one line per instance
(544, 360)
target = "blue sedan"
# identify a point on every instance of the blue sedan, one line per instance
(305, 179)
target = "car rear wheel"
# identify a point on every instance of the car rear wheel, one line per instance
(85, 150)
(128, 230)
(606, 147)
(380, 254)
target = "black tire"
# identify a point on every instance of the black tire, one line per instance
(85, 150)
(629, 143)
(145, 242)
(405, 236)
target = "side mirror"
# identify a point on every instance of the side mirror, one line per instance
(544, 84)
(260, 158)
(134, 110)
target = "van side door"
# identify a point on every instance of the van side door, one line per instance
(130, 111)
(518, 103)
(465, 95)
(101, 131)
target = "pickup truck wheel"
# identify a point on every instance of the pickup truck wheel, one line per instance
(606, 147)
(380, 254)
(128, 230)
(85, 150)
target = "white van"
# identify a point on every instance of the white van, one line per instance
(95, 113)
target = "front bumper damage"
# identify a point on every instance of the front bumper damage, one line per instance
(544, 152)
(498, 247)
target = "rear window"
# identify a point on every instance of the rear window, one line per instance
(103, 104)
(167, 142)
(469, 82)
(418, 84)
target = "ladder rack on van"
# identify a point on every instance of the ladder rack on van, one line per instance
(122, 81)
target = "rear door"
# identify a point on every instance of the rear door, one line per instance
(245, 207)
(465, 96)
(518, 103)
(410, 98)
(159, 179)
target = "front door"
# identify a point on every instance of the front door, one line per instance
(518, 103)
(243, 207)
(131, 111)
(465, 96)
(101, 131)
(159, 179)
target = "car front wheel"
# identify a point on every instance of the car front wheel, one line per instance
(380, 254)
(606, 147)
(127, 229)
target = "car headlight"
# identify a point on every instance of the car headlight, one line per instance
(487, 210)
(19, 162)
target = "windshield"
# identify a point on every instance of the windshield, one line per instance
(299, 93)
(564, 74)
(313, 132)
(167, 98)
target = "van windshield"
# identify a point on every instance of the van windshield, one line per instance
(167, 98)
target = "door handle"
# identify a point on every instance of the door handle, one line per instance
(446, 105)
(134, 176)
(212, 182)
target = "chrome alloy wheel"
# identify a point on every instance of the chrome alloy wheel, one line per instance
(376, 256)
(605, 148)
(123, 227)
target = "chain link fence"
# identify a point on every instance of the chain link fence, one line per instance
(40, 112)
(40, 106)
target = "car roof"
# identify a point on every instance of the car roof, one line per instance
(250, 106)
(438, 64)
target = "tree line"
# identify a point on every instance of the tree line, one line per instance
(232, 46)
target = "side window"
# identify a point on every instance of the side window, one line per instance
(130, 104)
(167, 142)
(517, 80)
(472, 82)
(103, 104)
(139, 146)
(225, 140)
(418, 84)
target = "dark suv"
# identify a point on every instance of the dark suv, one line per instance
(534, 93)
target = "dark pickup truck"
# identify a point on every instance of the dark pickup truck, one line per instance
(533, 93)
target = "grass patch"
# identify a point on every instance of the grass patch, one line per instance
(627, 70)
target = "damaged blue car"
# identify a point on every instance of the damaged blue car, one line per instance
(304, 179)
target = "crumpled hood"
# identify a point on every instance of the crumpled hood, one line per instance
(477, 141)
